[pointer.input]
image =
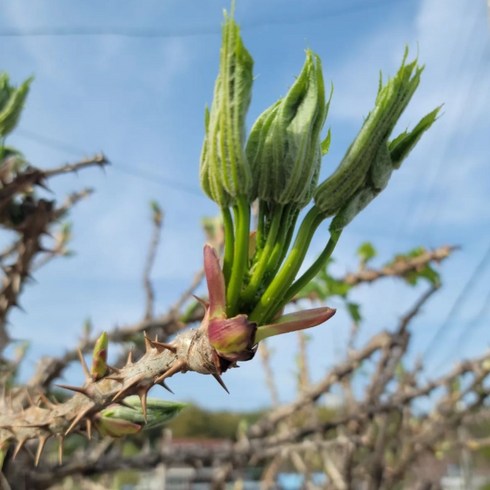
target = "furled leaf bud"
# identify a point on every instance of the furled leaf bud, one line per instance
(225, 173)
(115, 427)
(284, 147)
(11, 103)
(389, 157)
(233, 338)
(99, 357)
(367, 165)
(158, 412)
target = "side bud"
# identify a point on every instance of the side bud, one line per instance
(233, 338)
(129, 418)
(225, 173)
(284, 147)
(389, 157)
(367, 165)
(99, 358)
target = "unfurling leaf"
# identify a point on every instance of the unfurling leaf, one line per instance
(99, 360)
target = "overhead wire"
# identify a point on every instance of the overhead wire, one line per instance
(423, 200)
(423, 189)
(467, 330)
(119, 166)
(355, 8)
(460, 299)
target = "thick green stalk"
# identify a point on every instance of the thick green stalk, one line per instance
(314, 269)
(264, 256)
(229, 241)
(282, 242)
(261, 230)
(240, 255)
(273, 295)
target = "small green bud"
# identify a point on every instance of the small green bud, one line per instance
(389, 157)
(369, 161)
(114, 427)
(99, 357)
(401, 146)
(11, 103)
(233, 338)
(157, 213)
(158, 412)
(284, 147)
(225, 173)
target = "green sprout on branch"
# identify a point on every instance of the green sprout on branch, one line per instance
(277, 167)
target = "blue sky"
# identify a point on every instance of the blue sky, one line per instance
(132, 79)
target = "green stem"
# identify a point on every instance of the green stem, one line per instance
(283, 241)
(260, 236)
(314, 269)
(273, 295)
(264, 256)
(240, 255)
(229, 241)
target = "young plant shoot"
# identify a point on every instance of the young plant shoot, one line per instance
(275, 170)
(278, 167)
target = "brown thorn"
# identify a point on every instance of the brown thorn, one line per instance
(77, 419)
(164, 385)
(123, 390)
(60, 449)
(85, 368)
(117, 378)
(31, 400)
(16, 305)
(88, 427)
(40, 447)
(143, 394)
(46, 400)
(148, 345)
(77, 389)
(113, 369)
(217, 377)
(161, 346)
(18, 447)
(130, 358)
(174, 368)
(203, 303)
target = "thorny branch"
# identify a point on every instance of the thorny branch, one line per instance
(170, 323)
(365, 423)
(31, 218)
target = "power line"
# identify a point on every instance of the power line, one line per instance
(462, 296)
(423, 189)
(121, 167)
(467, 329)
(190, 32)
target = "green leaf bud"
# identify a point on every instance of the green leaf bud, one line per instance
(369, 156)
(115, 427)
(11, 103)
(403, 144)
(284, 147)
(389, 157)
(99, 357)
(158, 412)
(225, 173)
